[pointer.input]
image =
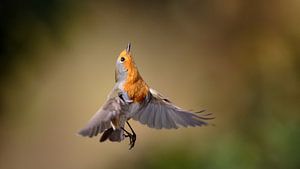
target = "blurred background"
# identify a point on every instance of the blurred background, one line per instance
(238, 59)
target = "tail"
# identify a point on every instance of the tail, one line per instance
(112, 135)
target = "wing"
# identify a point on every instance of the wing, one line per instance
(102, 118)
(158, 112)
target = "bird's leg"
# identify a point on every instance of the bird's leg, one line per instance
(127, 133)
(133, 136)
(133, 133)
(130, 137)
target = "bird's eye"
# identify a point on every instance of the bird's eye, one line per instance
(122, 59)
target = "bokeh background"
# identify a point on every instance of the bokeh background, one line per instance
(237, 58)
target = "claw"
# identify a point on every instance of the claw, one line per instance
(132, 141)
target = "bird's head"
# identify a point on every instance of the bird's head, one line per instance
(125, 64)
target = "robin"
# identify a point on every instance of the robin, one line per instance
(132, 98)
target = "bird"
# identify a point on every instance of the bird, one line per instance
(132, 98)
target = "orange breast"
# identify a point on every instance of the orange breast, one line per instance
(135, 86)
(136, 91)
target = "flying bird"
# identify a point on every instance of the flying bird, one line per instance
(132, 98)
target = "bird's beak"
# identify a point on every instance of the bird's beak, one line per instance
(128, 47)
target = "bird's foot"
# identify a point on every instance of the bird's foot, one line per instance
(132, 139)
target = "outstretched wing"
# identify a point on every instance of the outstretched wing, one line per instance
(158, 112)
(102, 118)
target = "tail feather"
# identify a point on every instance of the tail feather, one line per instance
(106, 134)
(112, 135)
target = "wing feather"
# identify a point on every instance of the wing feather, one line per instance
(158, 112)
(102, 118)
